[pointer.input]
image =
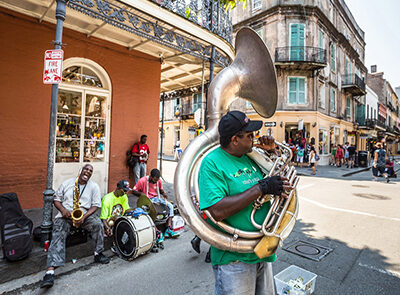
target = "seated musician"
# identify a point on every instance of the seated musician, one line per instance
(89, 200)
(114, 205)
(152, 187)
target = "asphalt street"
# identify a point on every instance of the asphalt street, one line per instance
(358, 219)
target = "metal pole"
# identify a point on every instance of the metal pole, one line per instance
(211, 78)
(162, 131)
(203, 102)
(48, 194)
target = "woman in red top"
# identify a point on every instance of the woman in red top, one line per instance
(339, 155)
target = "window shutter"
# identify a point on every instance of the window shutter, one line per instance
(292, 90)
(301, 91)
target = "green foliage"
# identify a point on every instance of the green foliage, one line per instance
(232, 3)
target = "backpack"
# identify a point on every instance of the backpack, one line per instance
(15, 228)
(130, 159)
(300, 153)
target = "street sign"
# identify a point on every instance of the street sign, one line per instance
(270, 124)
(52, 71)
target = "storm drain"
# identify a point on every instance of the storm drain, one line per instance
(308, 250)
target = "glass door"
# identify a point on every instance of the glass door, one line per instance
(82, 134)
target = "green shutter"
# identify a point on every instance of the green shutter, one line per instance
(292, 90)
(333, 58)
(297, 42)
(297, 90)
(348, 108)
(301, 91)
(333, 100)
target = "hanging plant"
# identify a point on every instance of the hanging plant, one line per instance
(232, 3)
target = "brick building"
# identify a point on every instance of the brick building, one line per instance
(118, 57)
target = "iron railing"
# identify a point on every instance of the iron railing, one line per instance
(300, 53)
(208, 14)
(372, 123)
(353, 80)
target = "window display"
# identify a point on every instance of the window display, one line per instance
(71, 139)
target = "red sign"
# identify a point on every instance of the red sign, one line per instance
(52, 72)
(382, 110)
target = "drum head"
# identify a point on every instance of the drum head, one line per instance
(125, 238)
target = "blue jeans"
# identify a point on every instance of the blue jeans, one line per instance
(164, 202)
(241, 278)
(139, 171)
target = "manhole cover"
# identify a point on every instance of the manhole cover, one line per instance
(308, 250)
(360, 185)
(371, 196)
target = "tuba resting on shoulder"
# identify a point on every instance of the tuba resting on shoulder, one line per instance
(251, 76)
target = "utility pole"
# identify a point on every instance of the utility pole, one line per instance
(48, 194)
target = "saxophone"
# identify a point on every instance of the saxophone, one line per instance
(77, 212)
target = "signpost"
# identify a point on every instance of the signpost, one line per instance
(270, 124)
(53, 66)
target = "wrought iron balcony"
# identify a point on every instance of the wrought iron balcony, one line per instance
(208, 14)
(353, 84)
(305, 57)
(374, 123)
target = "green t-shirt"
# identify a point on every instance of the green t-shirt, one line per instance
(112, 205)
(222, 175)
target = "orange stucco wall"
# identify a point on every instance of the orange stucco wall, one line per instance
(25, 102)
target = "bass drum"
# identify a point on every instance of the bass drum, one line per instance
(134, 236)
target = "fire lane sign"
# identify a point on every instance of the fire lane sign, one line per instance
(52, 71)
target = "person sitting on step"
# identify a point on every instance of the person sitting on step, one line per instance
(152, 187)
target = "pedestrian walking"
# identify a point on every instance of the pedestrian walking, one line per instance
(379, 162)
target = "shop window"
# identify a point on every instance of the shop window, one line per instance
(81, 117)
(297, 90)
(323, 142)
(82, 76)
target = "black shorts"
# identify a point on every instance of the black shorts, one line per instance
(375, 171)
(312, 164)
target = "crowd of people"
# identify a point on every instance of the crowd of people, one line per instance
(304, 153)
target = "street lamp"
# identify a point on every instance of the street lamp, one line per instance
(48, 194)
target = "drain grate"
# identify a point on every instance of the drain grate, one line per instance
(308, 250)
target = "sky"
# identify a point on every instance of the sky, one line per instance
(380, 20)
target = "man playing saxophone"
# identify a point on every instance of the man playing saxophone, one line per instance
(229, 182)
(86, 196)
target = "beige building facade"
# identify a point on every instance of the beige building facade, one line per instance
(319, 52)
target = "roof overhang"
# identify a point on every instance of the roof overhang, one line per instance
(184, 48)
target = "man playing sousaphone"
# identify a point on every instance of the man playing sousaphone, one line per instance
(229, 182)
(81, 195)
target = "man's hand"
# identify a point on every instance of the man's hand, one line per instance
(275, 185)
(65, 214)
(108, 231)
(266, 143)
(80, 222)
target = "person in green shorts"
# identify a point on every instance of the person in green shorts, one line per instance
(114, 204)
(229, 182)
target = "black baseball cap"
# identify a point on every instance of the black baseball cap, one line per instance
(235, 121)
(124, 184)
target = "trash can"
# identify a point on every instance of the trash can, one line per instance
(362, 159)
